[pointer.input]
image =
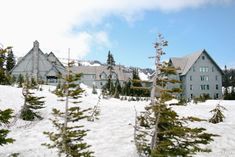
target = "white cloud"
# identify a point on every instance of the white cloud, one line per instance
(102, 38)
(51, 21)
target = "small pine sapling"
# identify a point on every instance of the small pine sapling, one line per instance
(5, 116)
(69, 136)
(32, 103)
(33, 83)
(20, 81)
(218, 115)
(94, 91)
(95, 111)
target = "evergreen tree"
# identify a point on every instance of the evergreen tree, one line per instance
(20, 81)
(226, 77)
(110, 67)
(10, 60)
(4, 79)
(218, 115)
(94, 91)
(5, 116)
(159, 129)
(31, 104)
(136, 82)
(126, 90)
(2, 57)
(12, 80)
(225, 82)
(118, 89)
(69, 138)
(33, 83)
(110, 62)
(136, 88)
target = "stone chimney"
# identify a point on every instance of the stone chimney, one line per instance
(36, 45)
(35, 59)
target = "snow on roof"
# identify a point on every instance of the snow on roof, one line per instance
(143, 76)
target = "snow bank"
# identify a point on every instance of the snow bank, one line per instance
(112, 134)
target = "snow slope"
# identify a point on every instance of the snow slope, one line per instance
(112, 134)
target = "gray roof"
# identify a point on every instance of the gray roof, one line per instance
(45, 62)
(122, 74)
(185, 63)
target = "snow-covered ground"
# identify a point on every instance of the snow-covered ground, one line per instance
(112, 134)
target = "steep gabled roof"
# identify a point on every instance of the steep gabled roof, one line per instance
(43, 58)
(29, 53)
(51, 56)
(97, 70)
(185, 63)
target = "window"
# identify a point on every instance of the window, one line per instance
(191, 87)
(213, 69)
(194, 69)
(204, 87)
(217, 95)
(191, 95)
(204, 78)
(114, 76)
(103, 76)
(200, 69)
(204, 69)
(191, 78)
(51, 80)
(101, 83)
(203, 57)
(217, 87)
(216, 77)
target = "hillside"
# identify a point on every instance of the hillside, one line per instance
(112, 134)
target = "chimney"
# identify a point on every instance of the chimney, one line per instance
(36, 45)
(35, 60)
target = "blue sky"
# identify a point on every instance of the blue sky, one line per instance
(211, 28)
(127, 28)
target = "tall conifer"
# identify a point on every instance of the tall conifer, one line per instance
(110, 66)
(32, 103)
(159, 129)
(10, 60)
(5, 115)
(70, 134)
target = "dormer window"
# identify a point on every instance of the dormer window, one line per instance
(114, 76)
(103, 75)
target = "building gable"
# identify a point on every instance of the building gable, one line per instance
(186, 63)
(35, 63)
(199, 74)
(54, 60)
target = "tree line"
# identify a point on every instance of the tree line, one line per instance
(228, 83)
(7, 62)
(133, 87)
